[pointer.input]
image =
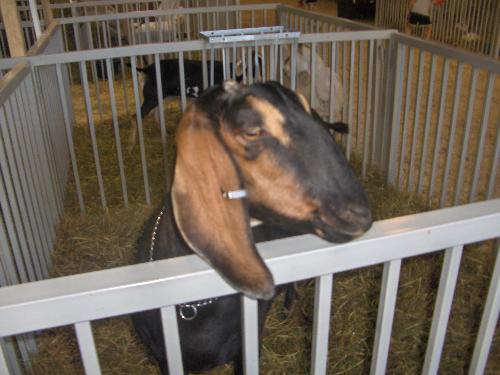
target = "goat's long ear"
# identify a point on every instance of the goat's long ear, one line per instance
(215, 228)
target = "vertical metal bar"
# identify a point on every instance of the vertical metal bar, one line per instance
(234, 62)
(116, 128)
(427, 125)
(351, 100)
(260, 68)
(24, 347)
(293, 68)
(396, 115)
(416, 120)
(224, 71)
(172, 339)
(182, 81)
(212, 58)
(333, 58)
(161, 109)
(250, 336)
(8, 358)
(385, 317)
(361, 78)
(409, 80)
(140, 131)
(6, 257)
(482, 137)
(488, 322)
(378, 94)
(493, 172)
(281, 63)
(387, 64)
(87, 348)
(204, 68)
(312, 69)
(69, 137)
(90, 119)
(369, 119)
(465, 138)
(437, 144)
(250, 75)
(94, 71)
(451, 137)
(321, 325)
(442, 309)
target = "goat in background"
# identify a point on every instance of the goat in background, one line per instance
(170, 82)
(321, 93)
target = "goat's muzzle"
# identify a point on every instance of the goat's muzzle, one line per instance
(342, 225)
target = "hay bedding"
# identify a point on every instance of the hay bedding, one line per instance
(102, 239)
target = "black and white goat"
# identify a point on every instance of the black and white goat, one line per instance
(171, 86)
(261, 140)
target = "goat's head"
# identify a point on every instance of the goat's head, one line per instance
(261, 138)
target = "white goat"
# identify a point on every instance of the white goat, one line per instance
(166, 28)
(321, 99)
(163, 28)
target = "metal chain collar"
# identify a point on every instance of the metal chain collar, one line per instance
(187, 311)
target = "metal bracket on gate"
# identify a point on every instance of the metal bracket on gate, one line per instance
(249, 34)
(247, 37)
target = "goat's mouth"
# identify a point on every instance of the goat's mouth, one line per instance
(342, 225)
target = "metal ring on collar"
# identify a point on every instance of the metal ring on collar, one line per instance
(183, 312)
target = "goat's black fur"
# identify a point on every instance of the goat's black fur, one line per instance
(170, 81)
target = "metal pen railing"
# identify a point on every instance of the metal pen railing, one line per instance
(80, 299)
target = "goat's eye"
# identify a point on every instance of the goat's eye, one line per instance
(252, 133)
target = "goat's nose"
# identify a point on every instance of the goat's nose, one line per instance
(362, 215)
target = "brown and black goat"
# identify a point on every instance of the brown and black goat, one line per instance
(264, 140)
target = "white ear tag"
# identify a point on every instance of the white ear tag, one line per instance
(235, 194)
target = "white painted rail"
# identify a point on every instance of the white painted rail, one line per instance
(86, 297)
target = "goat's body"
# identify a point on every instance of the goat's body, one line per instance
(213, 338)
(321, 95)
(170, 81)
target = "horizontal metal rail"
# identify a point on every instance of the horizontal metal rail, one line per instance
(185, 46)
(170, 12)
(97, 295)
(475, 59)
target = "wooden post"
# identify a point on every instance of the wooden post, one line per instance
(48, 16)
(13, 28)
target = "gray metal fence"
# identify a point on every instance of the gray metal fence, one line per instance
(422, 112)
(470, 24)
(78, 300)
(445, 137)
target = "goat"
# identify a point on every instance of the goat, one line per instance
(262, 142)
(322, 87)
(170, 82)
(165, 29)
